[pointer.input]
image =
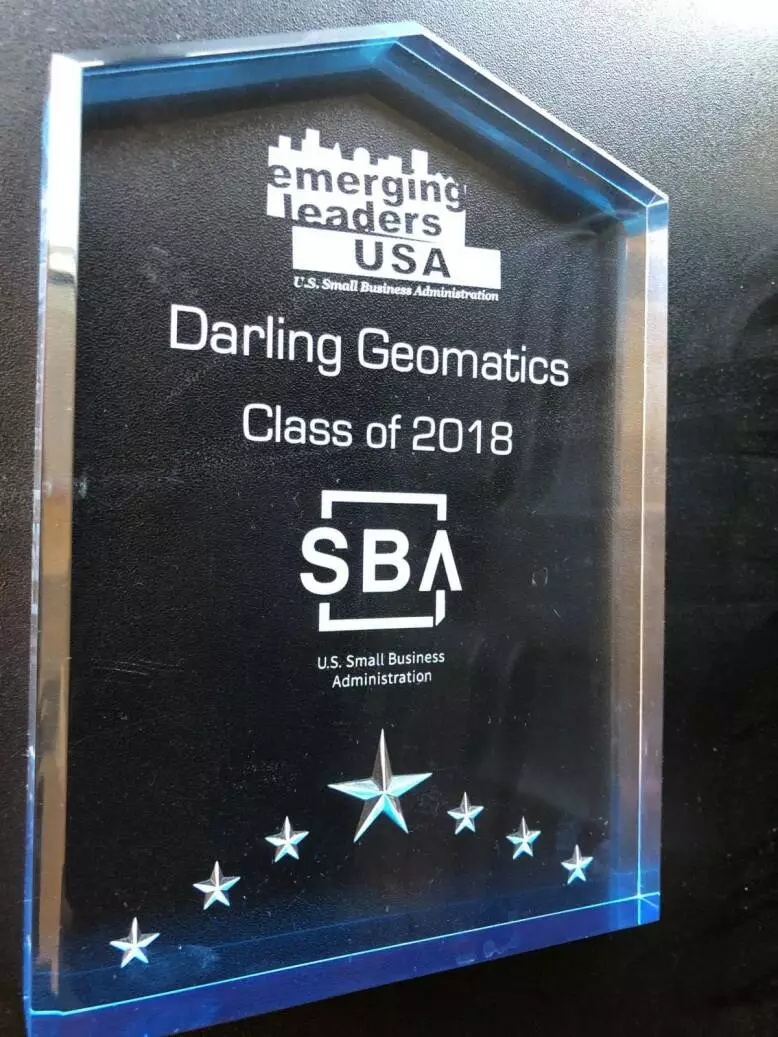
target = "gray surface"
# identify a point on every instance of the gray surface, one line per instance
(692, 105)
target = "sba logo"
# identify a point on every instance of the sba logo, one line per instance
(385, 567)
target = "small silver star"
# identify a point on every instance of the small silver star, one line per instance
(286, 841)
(383, 790)
(215, 888)
(134, 944)
(577, 865)
(522, 839)
(465, 815)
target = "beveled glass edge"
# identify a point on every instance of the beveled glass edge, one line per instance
(52, 506)
(544, 114)
(653, 534)
(410, 35)
(53, 488)
(637, 544)
(237, 45)
(207, 1004)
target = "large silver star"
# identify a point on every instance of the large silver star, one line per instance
(522, 839)
(382, 792)
(465, 815)
(577, 866)
(134, 944)
(286, 841)
(215, 888)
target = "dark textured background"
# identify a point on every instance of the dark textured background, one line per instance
(692, 103)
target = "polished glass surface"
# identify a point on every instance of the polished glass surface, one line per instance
(254, 782)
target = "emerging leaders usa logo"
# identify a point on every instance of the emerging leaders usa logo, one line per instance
(363, 218)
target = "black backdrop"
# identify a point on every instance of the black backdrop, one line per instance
(690, 99)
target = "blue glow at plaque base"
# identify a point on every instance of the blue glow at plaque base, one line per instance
(205, 1004)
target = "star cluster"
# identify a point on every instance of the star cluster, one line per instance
(381, 796)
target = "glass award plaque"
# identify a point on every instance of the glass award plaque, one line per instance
(348, 567)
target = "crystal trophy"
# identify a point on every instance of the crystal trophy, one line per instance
(348, 574)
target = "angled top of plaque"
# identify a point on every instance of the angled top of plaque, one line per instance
(393, 61)
(349, 529)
